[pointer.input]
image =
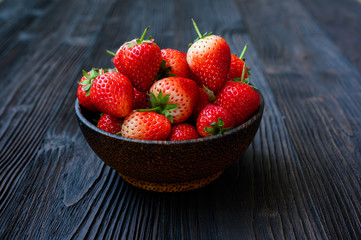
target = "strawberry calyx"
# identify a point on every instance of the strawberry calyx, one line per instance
(112, 70)
(160, 105)
(95, 72)
(120, 132)
(164, 71)
(243, 80)
(140, 40)
(246, 81)
(200, 36)
(217, 127)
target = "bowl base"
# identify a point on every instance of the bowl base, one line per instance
(171, 187)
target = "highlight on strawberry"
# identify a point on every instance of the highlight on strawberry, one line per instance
(165, 94)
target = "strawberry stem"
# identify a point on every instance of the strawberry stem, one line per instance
(243, 72)
(200, 36)
(111, 53)
(155, 109)
(211, 95)
(141, 40)
(145, 32)
(243, 51)
(197, 30)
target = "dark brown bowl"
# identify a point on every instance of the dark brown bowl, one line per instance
(169, 166)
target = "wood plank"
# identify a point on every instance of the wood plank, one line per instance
(321, 125)
(341, 21)
(33, 111)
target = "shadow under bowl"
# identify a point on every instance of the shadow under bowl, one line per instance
(169, 166)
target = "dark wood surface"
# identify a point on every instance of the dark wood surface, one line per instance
(300, 178)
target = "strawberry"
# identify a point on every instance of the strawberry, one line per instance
(140, 61)
(84, 88)
(112, 93)
(140, 99)
(214, 120)
(183, 131)
(239, 98)
(146, 126)
(209, 59)
(175, 63)
(236, 68)
(182, 92)
(203, 100)
(110, 124)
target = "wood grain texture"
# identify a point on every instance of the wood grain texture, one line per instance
(340, 20)
(320, 107)
(300, 178)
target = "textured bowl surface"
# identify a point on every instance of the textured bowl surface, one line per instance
(169, 166)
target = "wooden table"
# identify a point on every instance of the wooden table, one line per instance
(300, 178)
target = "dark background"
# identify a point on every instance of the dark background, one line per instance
(300, 178)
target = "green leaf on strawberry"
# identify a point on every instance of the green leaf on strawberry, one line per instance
(217, 127)
(160, 105)
(95, 72)
(164, 71)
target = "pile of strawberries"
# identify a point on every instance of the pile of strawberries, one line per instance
(165, 94)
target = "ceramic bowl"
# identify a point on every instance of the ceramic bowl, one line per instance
(169, 166)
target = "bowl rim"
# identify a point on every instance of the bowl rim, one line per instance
(255, 116)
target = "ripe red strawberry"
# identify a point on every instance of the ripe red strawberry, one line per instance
(241, 99)
(175, 63)
(140, 100)
(140, 61)
(209, 58)
(182, 92)
(146, 126)
(110, 124)
(84, 88)
(112, 93)
(236, 68)
(203, 100)
(183, 131)
(214, 120)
